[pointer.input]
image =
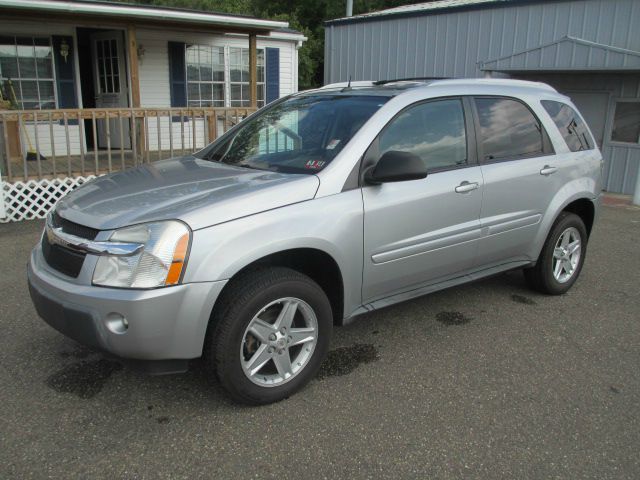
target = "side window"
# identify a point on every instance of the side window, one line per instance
(434, 131)
(570, 125)
(626, 123)
(508, 129)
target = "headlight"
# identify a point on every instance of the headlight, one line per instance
(161, 261)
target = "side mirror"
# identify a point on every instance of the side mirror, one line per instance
(396, 166)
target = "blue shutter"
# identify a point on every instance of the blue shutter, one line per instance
(177, 74)
(272, 73)
(65, 75)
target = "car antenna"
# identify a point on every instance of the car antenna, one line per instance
(348, 87)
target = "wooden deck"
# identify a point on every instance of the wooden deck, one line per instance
(93, 163)
(47, 144)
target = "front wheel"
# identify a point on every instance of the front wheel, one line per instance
(272, 331)
(562, 256)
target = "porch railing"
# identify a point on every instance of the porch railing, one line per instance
(47, 144)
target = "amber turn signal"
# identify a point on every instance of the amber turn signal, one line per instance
(179, 257)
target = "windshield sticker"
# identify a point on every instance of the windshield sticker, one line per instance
(314, 164)
(333, 144)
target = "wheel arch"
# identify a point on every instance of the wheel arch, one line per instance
(315, 263)
(585, 209)
(581, 201)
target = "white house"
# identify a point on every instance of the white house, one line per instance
(91, 87)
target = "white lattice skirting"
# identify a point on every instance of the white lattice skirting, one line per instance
(35, 198)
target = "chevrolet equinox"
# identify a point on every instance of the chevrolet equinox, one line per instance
(319, 207)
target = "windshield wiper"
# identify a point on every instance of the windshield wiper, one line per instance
(246, 165)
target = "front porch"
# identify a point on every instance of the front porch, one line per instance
(58, 161)
(133, 136)
(113, 86)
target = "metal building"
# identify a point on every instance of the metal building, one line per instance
(587, 49)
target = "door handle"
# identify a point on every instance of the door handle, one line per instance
(547, 170)
(465, 187)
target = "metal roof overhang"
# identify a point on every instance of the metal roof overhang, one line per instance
(435, 7)
(565, 55)
(135, 14)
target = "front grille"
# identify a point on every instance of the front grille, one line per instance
(63, 259)
(73, 228)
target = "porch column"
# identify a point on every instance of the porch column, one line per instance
(3, 210)
(133, 64)
(137, 126)
(253, 70)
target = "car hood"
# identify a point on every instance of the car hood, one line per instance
(199, 192)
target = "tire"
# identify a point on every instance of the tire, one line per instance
(541, 277)
(231, 345)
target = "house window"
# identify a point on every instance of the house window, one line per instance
(205, 76)
(26, 72)
(239, 77)
(626, 122)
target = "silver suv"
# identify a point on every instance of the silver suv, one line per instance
(320, 207)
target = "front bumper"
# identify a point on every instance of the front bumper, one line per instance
(163, 324)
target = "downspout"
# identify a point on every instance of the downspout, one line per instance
(636, 193)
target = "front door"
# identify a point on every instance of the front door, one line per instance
(110, 82)
(423, 231)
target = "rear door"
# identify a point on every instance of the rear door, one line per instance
(521, 177)
(420, 231)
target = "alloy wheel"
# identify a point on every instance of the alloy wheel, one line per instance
(566, 255)
(279, 342)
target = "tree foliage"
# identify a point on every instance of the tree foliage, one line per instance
(306, 16)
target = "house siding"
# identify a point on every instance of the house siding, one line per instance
(154, 80)
(154, 68)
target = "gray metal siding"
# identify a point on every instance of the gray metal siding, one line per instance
(622, 171)
(453, 43)
(568, 53)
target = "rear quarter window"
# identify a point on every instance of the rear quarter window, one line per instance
(571, 127)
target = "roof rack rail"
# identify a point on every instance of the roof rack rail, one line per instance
(354, 83)
(411, 79)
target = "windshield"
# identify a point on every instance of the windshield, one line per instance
(302, 134)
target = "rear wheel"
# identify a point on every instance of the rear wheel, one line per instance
(271, 334)
(562, 256)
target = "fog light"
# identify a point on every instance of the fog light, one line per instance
(116, 323)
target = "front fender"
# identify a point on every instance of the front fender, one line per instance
(332, 224)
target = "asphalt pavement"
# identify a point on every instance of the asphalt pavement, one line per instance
(488, 380)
